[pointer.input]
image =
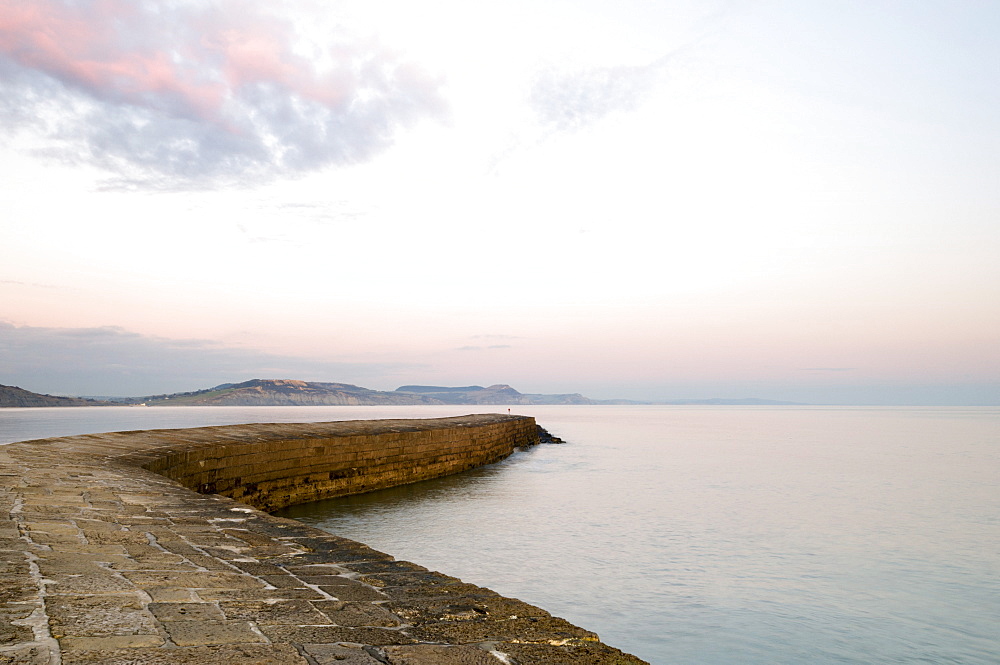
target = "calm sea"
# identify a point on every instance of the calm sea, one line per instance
(697, 535)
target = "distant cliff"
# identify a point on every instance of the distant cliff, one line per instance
(12, 396)
(496, 394)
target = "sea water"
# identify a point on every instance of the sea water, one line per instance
(701, 535)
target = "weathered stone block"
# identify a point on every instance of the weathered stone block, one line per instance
(531, 629)
(186, 611)
(235, 654)
(198, 580)
(204, 633)
(433, 654)
(340, 654)
(334, 634)
(109, 642)
(264, 612)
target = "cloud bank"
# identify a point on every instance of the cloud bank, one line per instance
(187, 91)
(113, 361)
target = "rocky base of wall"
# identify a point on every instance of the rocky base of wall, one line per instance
(103, 561)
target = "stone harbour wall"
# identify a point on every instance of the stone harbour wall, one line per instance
(274, 466)
(108, 556)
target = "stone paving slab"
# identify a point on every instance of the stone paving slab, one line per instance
(105, 562)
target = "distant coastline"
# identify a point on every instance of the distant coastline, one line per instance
(290, 392)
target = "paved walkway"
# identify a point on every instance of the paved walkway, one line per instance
(104, 562)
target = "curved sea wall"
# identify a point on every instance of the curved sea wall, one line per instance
(274, 466)
(108, 556)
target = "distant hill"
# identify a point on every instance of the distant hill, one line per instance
(289, 392)
(285, 392)
(504, 394)
(12, 396)
(500, 393)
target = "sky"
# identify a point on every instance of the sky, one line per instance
(791, 200)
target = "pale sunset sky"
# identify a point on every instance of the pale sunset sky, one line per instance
(670, 199)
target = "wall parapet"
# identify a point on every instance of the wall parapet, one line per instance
(107, 556)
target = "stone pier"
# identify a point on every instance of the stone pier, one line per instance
(153, 547)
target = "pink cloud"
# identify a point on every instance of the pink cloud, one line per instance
(224, 68)
(81, 47)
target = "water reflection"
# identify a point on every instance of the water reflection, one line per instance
(415, 501)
